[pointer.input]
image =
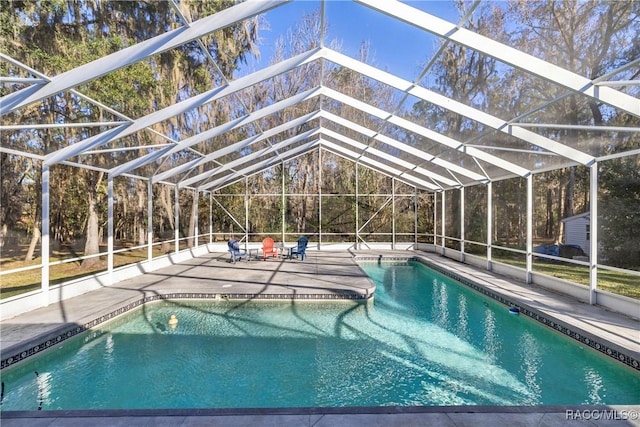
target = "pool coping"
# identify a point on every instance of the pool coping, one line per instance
(392, 409)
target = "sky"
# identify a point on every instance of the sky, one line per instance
(395, 46)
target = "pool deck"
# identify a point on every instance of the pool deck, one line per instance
(322, 274)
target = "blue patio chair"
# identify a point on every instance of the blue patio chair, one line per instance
(236, 252)
(300, 249)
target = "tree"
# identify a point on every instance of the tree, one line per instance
(55, 36)
(619, 208)
(15, 177)
(471, 78)
(591, 39)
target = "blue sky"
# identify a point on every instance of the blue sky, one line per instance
(395, 46)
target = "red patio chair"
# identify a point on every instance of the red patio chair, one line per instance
(269, 248)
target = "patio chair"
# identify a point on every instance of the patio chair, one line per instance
(269, 248)
(236, 252)
(300, 249)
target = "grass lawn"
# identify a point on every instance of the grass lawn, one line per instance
(611, 281)
(25, 281)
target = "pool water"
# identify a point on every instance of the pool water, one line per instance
(424, 340)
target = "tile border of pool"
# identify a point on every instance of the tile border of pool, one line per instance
(78, 329)
(578, 335)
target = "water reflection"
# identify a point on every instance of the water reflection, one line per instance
(531, 359)
(491, 345)
(595, 386)
(463, 326)
(440, 304)
(44, 383)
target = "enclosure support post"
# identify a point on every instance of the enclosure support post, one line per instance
(44, 285)
(461, 224)
(393, 214)
(110, 224)
(149, 222)
(489, 223)
(246, 212)
(357, 217)
(210, 218)
(283, 206)
(319, 197)
(593, 233)
(435, 220)
(442, 227)
(196, 215)
(176, 218)
(529, 277)
(415, 218)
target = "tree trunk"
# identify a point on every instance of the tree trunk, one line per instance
(92, 243)
(550, 219)
(140, 214)
(135, 227)
(521, 217)
(4, 231)
(35, 237)
(165, 202)
(142, 233)
(192, 221)
(571, 188)
(505, 223)
(560, 229)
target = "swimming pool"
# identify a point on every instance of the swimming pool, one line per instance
(424, 340)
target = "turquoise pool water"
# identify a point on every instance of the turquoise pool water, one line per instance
(425, 340)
